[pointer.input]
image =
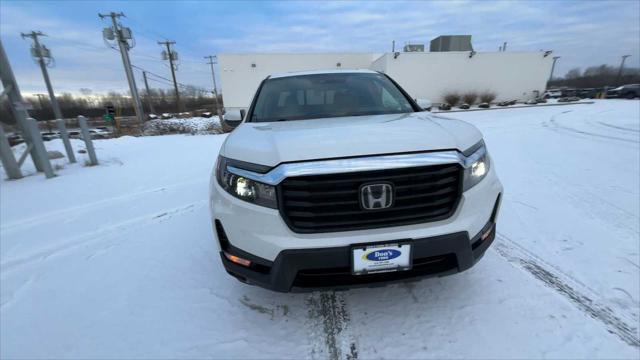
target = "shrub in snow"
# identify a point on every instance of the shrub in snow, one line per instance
(470, 97)
(194, 126)
(487, 97)
(53, 154)
(452, 98)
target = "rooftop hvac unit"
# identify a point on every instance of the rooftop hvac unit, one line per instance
(414, 48)
(451, 43)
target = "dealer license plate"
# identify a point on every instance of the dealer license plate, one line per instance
(367, 259)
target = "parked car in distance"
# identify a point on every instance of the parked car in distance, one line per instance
(339, 178)
(588, 93)
(15, 139)
(166, 116)
(50, 135)
(630, 91)
(100, 133)
(552, 94)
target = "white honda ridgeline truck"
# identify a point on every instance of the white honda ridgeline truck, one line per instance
(340, 179)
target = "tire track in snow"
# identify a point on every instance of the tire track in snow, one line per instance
(328, 323)
(557, 126)
(93, 236)
(619, 127)
(567, 287)
(60, 215)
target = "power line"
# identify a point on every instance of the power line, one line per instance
(160, 81)
(147, 57)
(81, 43)
(169, 81)
(155, 34)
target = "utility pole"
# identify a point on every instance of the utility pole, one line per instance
(146, 85)
(624, 57)
(44, 59)
(121, 35)
(553, 67)
(172, 56)
(212, 60)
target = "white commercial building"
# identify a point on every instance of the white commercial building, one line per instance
(424, 75)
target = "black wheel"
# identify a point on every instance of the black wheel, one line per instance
(630, 96)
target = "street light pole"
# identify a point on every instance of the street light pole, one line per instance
(553, 67)
(624, 57)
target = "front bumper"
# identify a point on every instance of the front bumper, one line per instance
(311, 269)
(284, 260)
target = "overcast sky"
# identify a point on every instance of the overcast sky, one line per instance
(583, 33)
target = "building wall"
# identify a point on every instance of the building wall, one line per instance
(511, 75)
(429, 75)
(239, 80)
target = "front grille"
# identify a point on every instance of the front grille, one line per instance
(325, 203)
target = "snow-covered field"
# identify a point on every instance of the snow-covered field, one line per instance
(118, 261)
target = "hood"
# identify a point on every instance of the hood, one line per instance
(277, 142)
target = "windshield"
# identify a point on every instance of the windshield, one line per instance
(328, 95)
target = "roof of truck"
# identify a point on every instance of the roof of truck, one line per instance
(315, 72)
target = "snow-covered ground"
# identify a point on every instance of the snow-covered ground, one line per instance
(118, 261)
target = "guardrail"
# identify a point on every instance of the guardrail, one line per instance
(38, 151)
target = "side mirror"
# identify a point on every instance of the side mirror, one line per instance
(231, 119)
(233, 115)
(424, 104)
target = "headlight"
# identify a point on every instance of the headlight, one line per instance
(244, 188)
(477, 167)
